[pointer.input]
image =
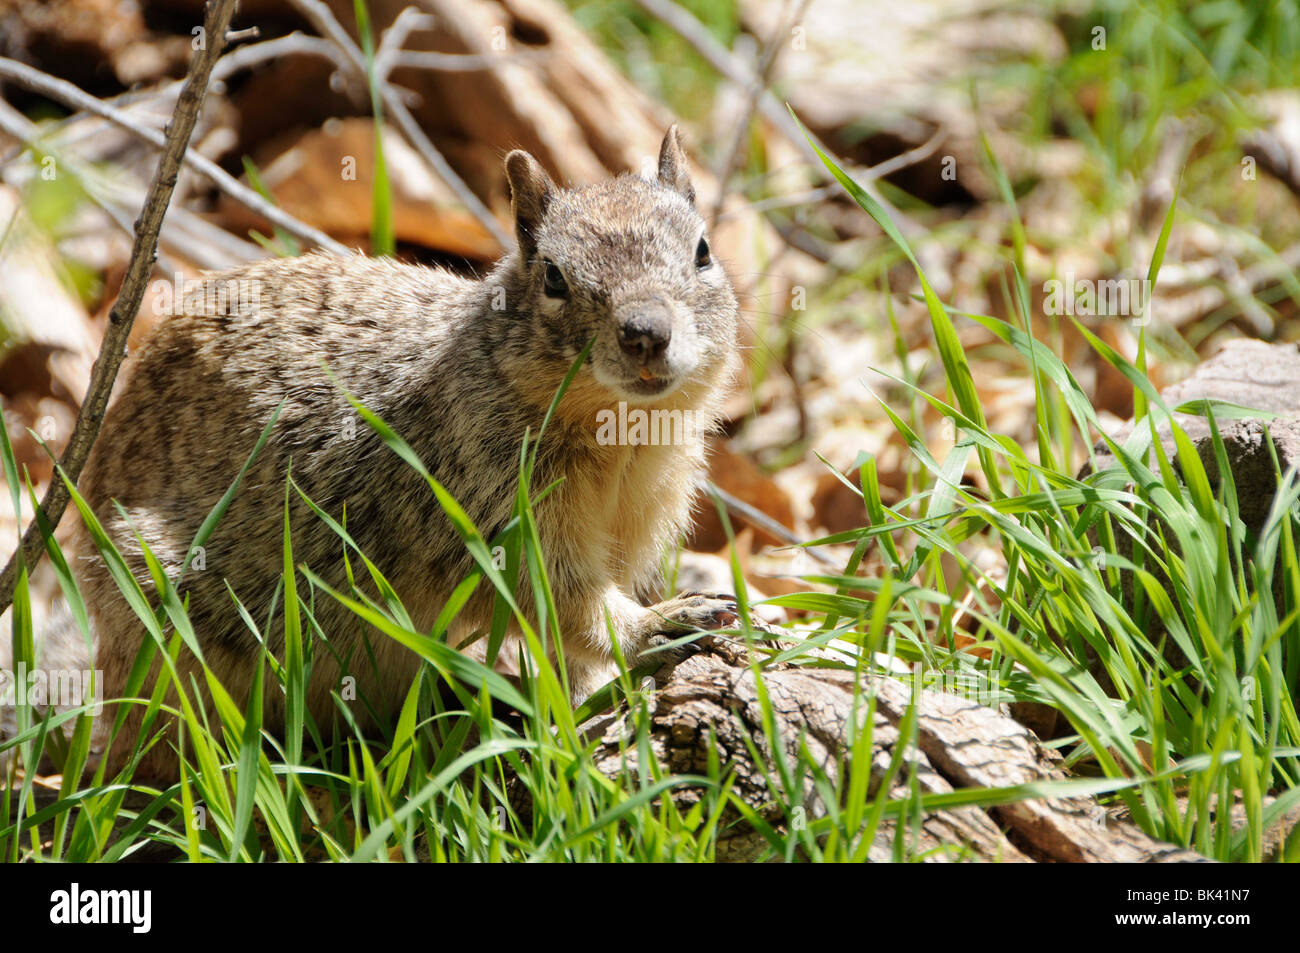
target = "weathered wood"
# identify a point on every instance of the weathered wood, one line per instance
(959, 744)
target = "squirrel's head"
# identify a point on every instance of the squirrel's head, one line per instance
(625, 261)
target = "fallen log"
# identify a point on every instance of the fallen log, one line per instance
(713, 699)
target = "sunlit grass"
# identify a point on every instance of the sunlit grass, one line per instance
(476, 767)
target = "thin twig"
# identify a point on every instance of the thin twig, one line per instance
(878, 171)
(113, 348)
(756, 517)
(323, 19)
(800, 240)
(202, 242)
(395, 37)
(255, 54)
(337, 47)
(724, 62)
(70, 95)
(31, 136)
(464, 62)
(778, 202)
(763, 79)
(904, 159)
(246, 57)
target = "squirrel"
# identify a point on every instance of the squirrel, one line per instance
(461, 369)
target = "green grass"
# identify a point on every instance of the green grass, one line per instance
(446, 779)
(382, 238)
(1110, 111)
(1170, 742)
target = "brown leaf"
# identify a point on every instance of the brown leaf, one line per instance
(740, 477)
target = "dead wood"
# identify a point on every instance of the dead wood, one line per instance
(713, 699)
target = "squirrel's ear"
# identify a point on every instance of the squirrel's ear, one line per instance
(674, 170)
(530, 193)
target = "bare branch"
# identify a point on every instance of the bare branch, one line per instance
(254, 54)
(795, 237)
(751, 514)
(113, 349)
(767, 64)
(904, 159)
(246, 57)
(324, 21)
(877, 171)
(201, 241)
(248, 33)
(395, 37)
(464, 62)
(74, 97)
(29, 134)
(320, 17)
(721, 59)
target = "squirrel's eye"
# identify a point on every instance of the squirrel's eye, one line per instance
(702, 259)
(556, 286)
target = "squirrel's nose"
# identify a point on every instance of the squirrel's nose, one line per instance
(644, 329)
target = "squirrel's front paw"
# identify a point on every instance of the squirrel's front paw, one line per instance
(684, 613)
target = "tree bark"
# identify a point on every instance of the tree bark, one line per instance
(960, 744)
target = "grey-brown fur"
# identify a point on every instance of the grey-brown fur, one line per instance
(460, 369)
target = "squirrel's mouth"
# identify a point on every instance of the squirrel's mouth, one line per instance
(643, 385)
(647, 384)
(638, 382)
